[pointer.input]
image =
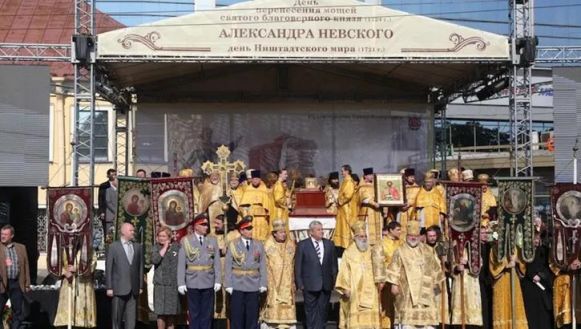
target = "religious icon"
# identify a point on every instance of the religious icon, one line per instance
(569, 205)
(514, 201)
(135, 203)
(69, 210)
(173, 209)
(463, 212)
(389, 190)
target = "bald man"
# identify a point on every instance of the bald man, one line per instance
(124, 273)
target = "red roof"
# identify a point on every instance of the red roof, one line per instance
(45, 21)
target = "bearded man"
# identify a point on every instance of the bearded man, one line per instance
(415, 276)
(358, 284)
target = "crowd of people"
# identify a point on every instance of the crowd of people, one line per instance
(388, 265)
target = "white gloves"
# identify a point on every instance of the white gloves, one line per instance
(229, 290)
(182, 290)
(262, 289)
(217, 287)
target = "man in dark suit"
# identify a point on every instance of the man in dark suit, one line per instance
(124, 275)
(14, 274)
(111, 178)
(315, 273)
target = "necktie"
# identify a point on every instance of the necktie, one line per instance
(318, 249)
(130, 252)
(201, 240)
(247, 245)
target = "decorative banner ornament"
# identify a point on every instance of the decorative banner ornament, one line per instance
(173, 203)
(70, 237)
(515, 217)
(464, 200)
(566, 204)
(134, 206)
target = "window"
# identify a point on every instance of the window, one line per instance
(100, 133)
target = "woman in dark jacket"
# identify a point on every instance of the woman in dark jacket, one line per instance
(166, 303)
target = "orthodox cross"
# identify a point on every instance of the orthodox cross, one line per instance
(223, 167)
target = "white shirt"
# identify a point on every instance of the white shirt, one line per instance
(199, 236)
(246, 242)
(321, 248)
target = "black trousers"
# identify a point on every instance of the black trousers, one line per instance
(14, 293)
(201, 308)
(244, 309)
(316, 303)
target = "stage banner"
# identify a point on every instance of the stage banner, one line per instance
(173, 203)
(69, 229)
(134, 206)
(566, 204)
(464, 200)
(515, 216)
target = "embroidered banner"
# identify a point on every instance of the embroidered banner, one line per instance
(464, 200)
(515, 216)
(173, 203)
(566, 204)
(70, 224)
(134, 206)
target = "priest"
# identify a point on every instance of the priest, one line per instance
(358, 285)
(342, 235)
(279, 309)
(256, 201)
(430, 203)
(282, 200)
(415, 276)
(332, 193)
(391, 242)
(369, 210)
(408, 211)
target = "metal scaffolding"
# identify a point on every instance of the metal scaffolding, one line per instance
(520, 86)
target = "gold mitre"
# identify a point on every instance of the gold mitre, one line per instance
(467, 175)
(413, 227)
(484, 223)
(483, 178)
(278, 225)
(358, 228)
(186, 172)
(429, 175)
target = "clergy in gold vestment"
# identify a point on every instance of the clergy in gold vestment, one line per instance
(279, 309)
(209, 200)
(357, 284)
(408, 211)
(466, 308)
(430, 204)
(562, 293)
(332, 193)
(488, 199)
(415, 275)
(281, 198)
(256, 201)
(502, 308)
(344, 219)
(83, 305)
(390, 244)
(369, 210)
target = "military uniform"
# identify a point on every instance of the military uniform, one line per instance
(199, 269)
(245, 278)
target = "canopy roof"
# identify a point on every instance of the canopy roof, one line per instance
(347, 34)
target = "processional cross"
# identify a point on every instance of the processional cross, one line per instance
(223, 167)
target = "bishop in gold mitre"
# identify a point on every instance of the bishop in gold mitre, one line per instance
(279, 309)
(357, 283)
(415, 275)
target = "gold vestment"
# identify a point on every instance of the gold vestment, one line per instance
(432, 204)
(418, 274)
(279, 308)
(562, 297)
(257, 202)
(501, 292)
(387, 299)
(471, 302)
(361, 309)
(370, 213)
(403, 217)
(84, 305)
(281, 202)
(342, 235)
(331, 196)
(209, 201)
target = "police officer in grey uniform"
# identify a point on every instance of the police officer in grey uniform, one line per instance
(245, 277)
(199, 273)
